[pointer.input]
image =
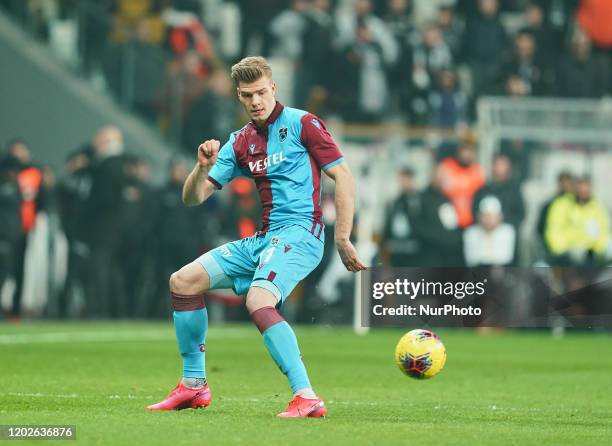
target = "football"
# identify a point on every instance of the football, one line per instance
(420, 354)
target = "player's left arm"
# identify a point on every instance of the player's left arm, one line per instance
(345, 209)
(323, 149)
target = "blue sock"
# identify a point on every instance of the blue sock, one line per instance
(282, 344)
(191, 326)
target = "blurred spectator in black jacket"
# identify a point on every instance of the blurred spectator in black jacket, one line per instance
(400, 243)
(582, 74)
(524, 66)
(213, 114)
(538, 26)
(398, 19)
(257, 15)
(363, 89)
(138, 210)
(438, 228)
(431, 56)
(313, 83)
(447, 102)
(452, 28)
(104, 223)
(484, 44)
(135, 69)
(181, 233)
(73, 194)
(503, 187)
(10, 217)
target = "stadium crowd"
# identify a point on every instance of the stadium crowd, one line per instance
(426, 61)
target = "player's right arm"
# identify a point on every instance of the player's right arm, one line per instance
(198, 187)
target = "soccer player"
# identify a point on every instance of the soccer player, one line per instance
(284, 150)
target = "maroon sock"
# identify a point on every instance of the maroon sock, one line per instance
(182, 302)
(265, 317)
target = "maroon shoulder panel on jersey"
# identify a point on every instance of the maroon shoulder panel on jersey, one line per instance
(318, 141)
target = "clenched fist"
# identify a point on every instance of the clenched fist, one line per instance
(208, 152)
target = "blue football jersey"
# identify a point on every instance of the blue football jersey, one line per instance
(285, 159)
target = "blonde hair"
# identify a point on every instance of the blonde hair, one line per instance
(250, 69)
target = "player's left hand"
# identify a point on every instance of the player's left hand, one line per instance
(349, 256)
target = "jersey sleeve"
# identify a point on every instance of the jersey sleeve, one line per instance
(319, 142)
(226, 167)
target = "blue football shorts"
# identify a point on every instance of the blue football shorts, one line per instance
(275, 260)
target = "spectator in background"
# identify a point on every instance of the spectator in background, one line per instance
(181, 232)
(447, 103)
(538, 27)
(185, 82)
(363, 86)
(145, 62)
(426, 11)
(578, 227)
(438, 226)
(582, 74)
(185, 33)
(594, 17)
(242, 211)
(491, 241)
(484, 43)
(361, 19)
(506, 190)
(257, 15)
(400, 243)
(286, 31)
(524, 66)
(519, 153)
(73, 197)
(431, 56)
(463, 176)
(29, 179)
(314, 83)
(398, 19)
(138, 211)
(452, 29)
(565, 185)
(10, 217)
(93, 30)
(213, 114)
(104, 223)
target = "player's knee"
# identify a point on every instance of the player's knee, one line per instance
(189, 280)
(259, 298)
(175, 283)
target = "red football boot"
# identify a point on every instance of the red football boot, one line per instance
(183, 397)
(303, 407)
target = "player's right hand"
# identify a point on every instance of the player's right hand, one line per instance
(208, 152)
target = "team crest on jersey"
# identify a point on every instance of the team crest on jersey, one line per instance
(252, 148)
(274, 241)
(282, 134)
(315, 123)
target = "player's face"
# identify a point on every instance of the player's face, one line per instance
(257, 98)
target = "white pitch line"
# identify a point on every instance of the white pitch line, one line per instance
(107, 336)
(269, 401)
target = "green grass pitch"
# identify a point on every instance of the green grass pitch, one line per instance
(512, 388)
